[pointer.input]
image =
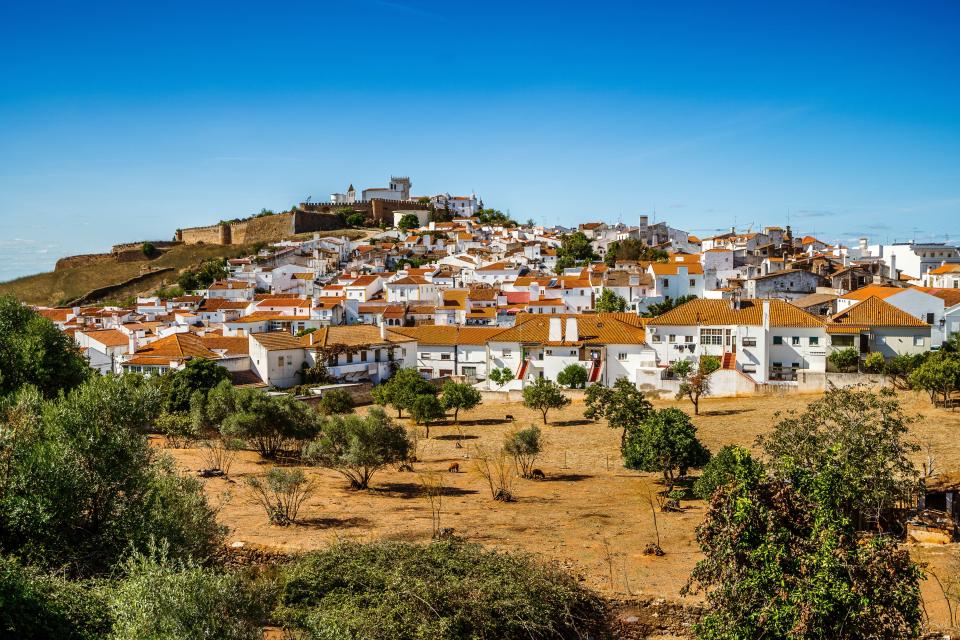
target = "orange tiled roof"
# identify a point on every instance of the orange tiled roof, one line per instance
(950, 297)
(673, 268)
(874, 312)
(873, 291)
(720, 312)
(593, 329)
(108, 337)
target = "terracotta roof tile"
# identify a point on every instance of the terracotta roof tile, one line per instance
(720, 312)
(874, 312)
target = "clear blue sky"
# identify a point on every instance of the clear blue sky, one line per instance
(125, 120)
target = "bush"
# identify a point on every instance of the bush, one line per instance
(524, 445)
(359, 446)
(722, 469)
(844, 359)
(573, 377)
(149, 250)
(180, 429)
(36, 607)
(198, 374)
(874, 363)
(443, 590)
(167, 600)
(408, 221)
(355, 220)
(281, 492)
(336, 401)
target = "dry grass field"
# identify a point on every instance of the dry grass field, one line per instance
(590, 514)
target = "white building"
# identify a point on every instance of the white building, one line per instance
(399, 189)
(918, 303)
(350, 197)
(914, 259)
(451, 350)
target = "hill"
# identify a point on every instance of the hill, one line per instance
(61, 286)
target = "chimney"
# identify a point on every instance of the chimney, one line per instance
(572, 335)
(735, 300)
(846, 259)
(766, 315)
(132, 342)
(556, 330)
(383, 329)
(893, 266)
(534, 292)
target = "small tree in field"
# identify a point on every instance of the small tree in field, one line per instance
(573, 377)
(695, 381)
(402, 389)
(359, 446)
(459, 396)
(281, 492)
(666, 441)
(623, 405)
(426, 409)
(544, 394)
(939, 376)
(524, 445)
(501, 376)
(728, 464)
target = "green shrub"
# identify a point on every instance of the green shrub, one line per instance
(524, 445)
(874, 363)
(721, 469)
(844, 359)
(355, 220)
(573, 376)
(336, 401)
(149, 250)
(443, 590)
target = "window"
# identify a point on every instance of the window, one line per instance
(671, 338)
(507, 353)
(656, 337)
(349, 358)
(279, 361)
(749, 368)
(795, 340)
(814, 341)
(918, 341)
(688, 339)
(621, 356)
(929, 318)
(749, 342)
(777, 339)
(693, 282)
(444, 356)
(711, 336)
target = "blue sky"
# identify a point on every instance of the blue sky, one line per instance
(123, 121)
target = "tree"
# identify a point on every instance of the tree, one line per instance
(281, 492)
(728, 464)
(160, 597)
(623, 405)
(359, 446)
(939, 376)
(844, 359)
(459, 396)
(573, 376)
(632, 249)
(899, 368)
(402, 389)
(660, 308)
(149, 250)
(426, 409)
(204, 275)
(495, 217)
(408, 221)
(34, 352)
(336, 401)
(695, 381)
(80, 485)
(199, 374)
(501, 376)
(864, 433)
(609, 301)
(524, 445)
(356, 220)
(543, 395)
(666, 441)
(874, 362)
(270, 423)
(781, 562)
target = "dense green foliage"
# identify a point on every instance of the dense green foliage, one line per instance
(441, 591)
(939, 376)
(408, 221)
(495, 217)
(198, 374)
(270, 424)
(204, 275)
(426, 409)
(623, 405)
(575, 250)
(501, 376)
(402, 390)
(459, 397)
(544, 394)
(80, 486)
(149, 250)
(665, 441)
(355, 220)
(33, 351)
(34, 606)
(726, 465)
(162, 599)
(573, 376)
(660, 308)
(633, 249)
(844, 359)
(609, 301)
(336, 401)
(359, 446)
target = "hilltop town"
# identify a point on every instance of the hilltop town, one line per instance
(457, 290)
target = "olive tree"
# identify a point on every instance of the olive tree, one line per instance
(402, 390)
(623, 405)
(665, 441)
(359, 446)
(459, 396)
(426, 409)
(573, 376)
(694, 380)
(544, 394)
(524, 445)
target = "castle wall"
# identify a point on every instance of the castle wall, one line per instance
(69, 262)
(196, 235)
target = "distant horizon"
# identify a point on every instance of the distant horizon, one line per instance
(131, 121)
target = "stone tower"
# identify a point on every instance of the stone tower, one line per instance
(401, 184)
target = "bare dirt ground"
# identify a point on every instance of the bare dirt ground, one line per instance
(590, 514)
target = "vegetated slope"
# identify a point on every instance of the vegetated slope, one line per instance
(54, 287)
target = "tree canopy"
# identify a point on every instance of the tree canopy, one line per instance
(623, 405)
(573, 376)
(609, 301)
(408, 221)
(198, 374)
(544, 394)
(459, 396)
(402, 390)
(665, 441)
